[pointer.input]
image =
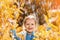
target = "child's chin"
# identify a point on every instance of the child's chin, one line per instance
(30, 31)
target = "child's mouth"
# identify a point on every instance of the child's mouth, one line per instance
(30, 28)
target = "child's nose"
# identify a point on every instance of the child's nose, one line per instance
(30, 25)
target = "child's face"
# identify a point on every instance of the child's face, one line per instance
(30, 25)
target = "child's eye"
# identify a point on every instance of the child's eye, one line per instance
(27, 24)
(32, 24)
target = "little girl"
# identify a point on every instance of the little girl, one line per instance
(29, 28)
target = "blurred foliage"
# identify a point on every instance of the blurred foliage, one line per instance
(13, 12)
